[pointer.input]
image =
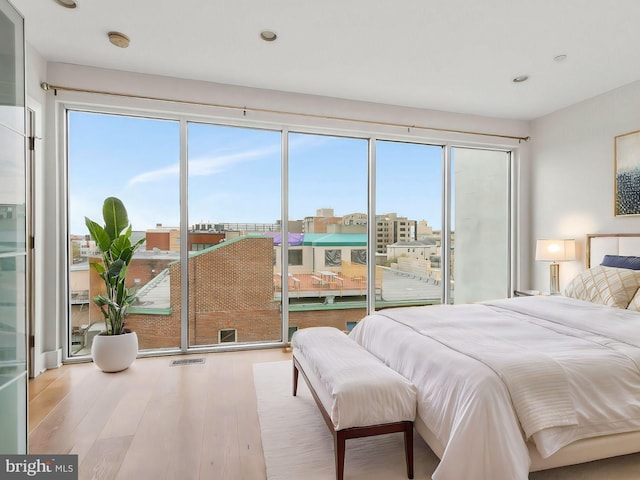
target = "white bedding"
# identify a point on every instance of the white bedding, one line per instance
(463, 398)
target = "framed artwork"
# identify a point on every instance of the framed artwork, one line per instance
(627, 169)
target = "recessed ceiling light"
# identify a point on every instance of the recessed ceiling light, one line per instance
(521, 78)
(119, 39)
(268, 35)
(560, 58)
(67, 3)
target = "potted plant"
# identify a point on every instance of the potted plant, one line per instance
(115, 348)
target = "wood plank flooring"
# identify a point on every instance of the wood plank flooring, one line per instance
(154, 421)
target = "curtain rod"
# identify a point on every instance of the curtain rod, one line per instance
(55, 88)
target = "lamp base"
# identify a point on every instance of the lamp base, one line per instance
(554, 279)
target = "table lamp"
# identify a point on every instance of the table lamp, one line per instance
(555, 251)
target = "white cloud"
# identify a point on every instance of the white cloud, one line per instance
(207, 165)
(156, 175)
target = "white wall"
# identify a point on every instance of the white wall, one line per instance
(572, 174)
(217, 94)
(47, 352)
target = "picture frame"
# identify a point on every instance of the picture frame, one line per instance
(627, 174)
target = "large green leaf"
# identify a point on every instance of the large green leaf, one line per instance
(121, 248)
(115, 217)
(115, 268)
(114, 240)
(98, 234)
(98, 267)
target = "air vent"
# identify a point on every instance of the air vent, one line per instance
(187, 361)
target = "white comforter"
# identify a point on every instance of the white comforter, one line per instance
(470, 403)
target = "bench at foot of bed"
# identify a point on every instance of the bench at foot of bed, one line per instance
(358, 395)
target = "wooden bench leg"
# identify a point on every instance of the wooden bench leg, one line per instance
(408, 447)
(295, 379)
(339, 446)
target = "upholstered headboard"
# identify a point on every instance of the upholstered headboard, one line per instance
(601, 244)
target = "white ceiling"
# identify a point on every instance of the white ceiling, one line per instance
(452, 55)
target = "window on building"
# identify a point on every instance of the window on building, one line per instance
(359, 256)
(332, 258)
(295, 257)
(196, 247)
(227, 335)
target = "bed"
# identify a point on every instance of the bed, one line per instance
(524, 384)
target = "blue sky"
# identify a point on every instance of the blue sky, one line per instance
(235, 173)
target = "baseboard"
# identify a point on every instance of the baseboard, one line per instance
(52, 359)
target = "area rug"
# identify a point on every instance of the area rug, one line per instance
(298, 445)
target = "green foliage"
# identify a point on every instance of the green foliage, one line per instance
(116, 250)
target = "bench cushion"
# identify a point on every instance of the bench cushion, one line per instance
(360, 389)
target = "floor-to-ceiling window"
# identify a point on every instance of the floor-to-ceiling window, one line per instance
(234, 235)
(327, 264)
(136, 159)
(211, 201)
(408, 223)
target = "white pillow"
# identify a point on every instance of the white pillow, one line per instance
(610, 286)
(634, 304)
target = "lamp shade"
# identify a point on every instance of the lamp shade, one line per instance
(555, 250)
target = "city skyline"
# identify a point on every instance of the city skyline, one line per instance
(235, 173)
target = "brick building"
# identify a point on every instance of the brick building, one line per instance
(231, 297)
(163, 238)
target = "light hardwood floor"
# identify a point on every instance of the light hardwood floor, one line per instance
(154, 421)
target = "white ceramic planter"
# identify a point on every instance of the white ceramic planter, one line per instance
(113, 353)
